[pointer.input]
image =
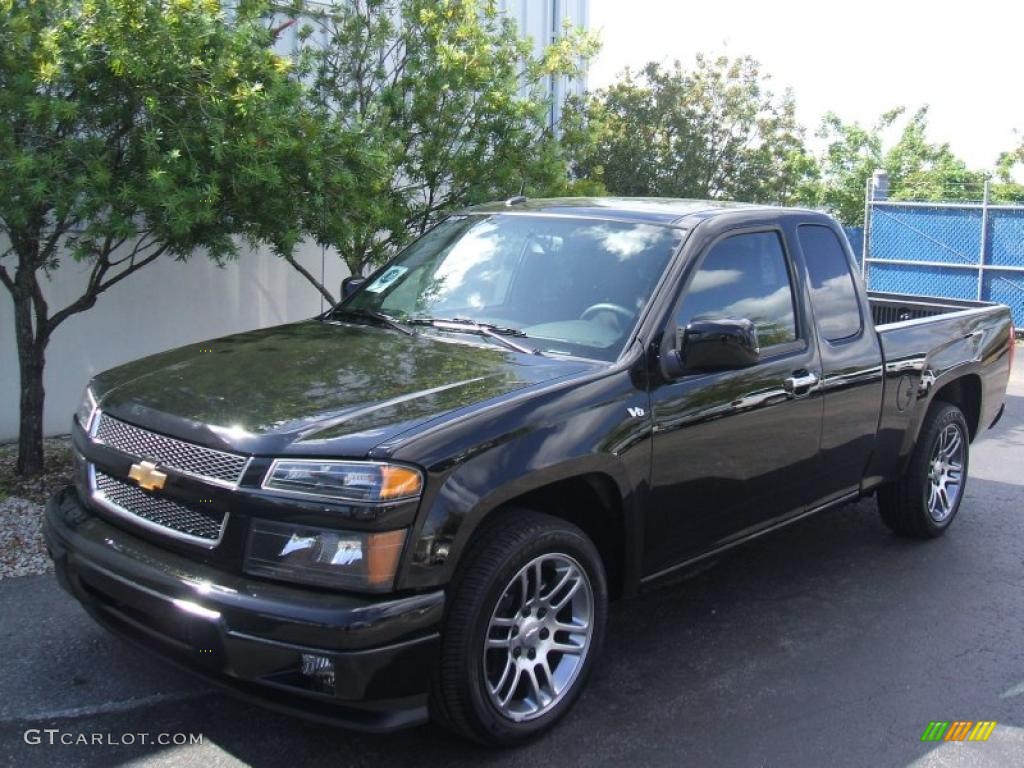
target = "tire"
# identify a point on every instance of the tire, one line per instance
(486, 601)
(911, 505)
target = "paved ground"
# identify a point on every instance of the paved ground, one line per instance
(830, 643)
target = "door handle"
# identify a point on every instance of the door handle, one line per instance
(800, 383)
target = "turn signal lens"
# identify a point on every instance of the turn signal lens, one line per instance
(399, 482)
(383, 551)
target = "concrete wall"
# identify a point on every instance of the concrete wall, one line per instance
(163, 306)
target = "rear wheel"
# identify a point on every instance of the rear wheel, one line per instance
(525, 622)
(923, 503)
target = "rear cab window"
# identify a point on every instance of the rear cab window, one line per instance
(833, 294)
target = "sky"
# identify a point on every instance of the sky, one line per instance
(857, 58)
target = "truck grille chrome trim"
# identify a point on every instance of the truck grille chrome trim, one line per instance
(207, 464)
(157, 513)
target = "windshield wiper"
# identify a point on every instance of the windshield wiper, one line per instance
(464, 325)
(372, 314)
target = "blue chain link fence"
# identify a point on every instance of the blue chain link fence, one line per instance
(957, 251)
(856, 237)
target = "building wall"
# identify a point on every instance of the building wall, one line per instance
(541, 21)
(163, 306)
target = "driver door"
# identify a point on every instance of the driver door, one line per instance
(735, 450)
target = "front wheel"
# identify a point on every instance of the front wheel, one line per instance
(923, 503)
(525, 622)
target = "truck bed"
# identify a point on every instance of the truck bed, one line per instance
(890, 308)
(926, 344)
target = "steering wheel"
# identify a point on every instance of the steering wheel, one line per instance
(620, 311)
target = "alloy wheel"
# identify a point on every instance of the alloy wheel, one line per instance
(945, 473)
(538, 636)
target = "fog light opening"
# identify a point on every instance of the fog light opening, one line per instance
(318, 669)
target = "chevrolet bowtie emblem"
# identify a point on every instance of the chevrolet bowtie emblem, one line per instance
(146, 475)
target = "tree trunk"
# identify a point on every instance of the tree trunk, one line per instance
(34, 325)
(30, 430)
(31, 359)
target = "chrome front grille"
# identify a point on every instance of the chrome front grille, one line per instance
(183, 521)
(215, 466)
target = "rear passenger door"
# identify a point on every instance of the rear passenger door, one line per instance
(734, 450)
(850, 361)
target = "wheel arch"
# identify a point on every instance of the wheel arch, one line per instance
(965, 393)
(593, 504)
(593, 493)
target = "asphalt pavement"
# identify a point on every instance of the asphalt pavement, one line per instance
(830, 643)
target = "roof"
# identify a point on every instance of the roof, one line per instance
(652, 210)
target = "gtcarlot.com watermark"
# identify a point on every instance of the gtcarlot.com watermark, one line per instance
(55, 736)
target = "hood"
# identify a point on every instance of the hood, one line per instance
(316, 387)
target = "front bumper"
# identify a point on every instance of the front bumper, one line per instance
(247, 634)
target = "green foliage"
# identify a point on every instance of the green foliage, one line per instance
(1006, 190)
(447, 100)
(134, 119)
(134, 129)
(713, 131)
(1008, 161)
(918, 168)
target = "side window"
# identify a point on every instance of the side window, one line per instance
(833, 295)
(744, 276)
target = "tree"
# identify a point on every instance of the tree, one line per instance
(918, 168)
(448, 100)
(852, 153)
(1006, 190)
(135, 130)
(713, 131)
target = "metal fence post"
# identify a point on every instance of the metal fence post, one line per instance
(984, 239)
(867, 232)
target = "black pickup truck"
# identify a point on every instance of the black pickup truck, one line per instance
(420, 503)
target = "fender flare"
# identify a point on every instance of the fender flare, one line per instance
(455, 512)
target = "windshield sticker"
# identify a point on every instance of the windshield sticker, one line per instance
(386, 279)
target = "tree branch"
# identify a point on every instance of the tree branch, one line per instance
(133, 267)
(60, 228)
(309, 276)
(97, 285)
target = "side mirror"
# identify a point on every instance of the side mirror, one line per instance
(714, 345)
(350, 285)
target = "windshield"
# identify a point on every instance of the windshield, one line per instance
(575, 286)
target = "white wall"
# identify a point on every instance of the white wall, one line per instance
(541, 21)
(164, 305)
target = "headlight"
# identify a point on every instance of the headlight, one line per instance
(330, 558)
(344, 480)
(86, 409)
